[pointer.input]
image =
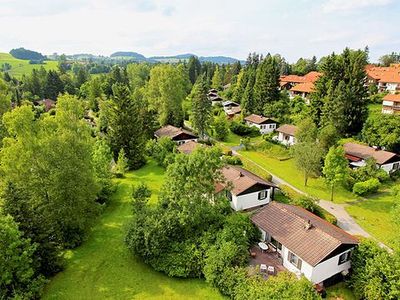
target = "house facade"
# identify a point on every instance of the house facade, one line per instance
(265, 125)
(357, 154)
(286, 134)
(178, 135)
(387, 79)
(307, 244)
(244, 189)
(391, 104)
(303, 90)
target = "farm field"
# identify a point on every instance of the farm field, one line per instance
(20, 67)
(102, 268)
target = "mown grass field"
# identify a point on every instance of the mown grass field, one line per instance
(102, 268)
(20, 67)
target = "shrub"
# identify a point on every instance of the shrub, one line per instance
(244, 130)
(366, 187)
(307, 203)
(233, 160)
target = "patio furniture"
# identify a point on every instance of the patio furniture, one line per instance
(263, 268)
(271, 270)
(263, 246)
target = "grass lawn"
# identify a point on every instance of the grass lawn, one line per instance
(20, 67)
(339, 292)
(372, 213)
(102, 268)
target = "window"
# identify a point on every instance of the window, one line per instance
(344, 258)
(276, 244)
(294, 260)
(229, 195)
(396, 166)
(262, 195)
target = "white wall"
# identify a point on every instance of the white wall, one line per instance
(391, 87)
(249, 200)
(306, 269)
(328, 268)
(264, 128)
(181, 142)
(291, 141)
(388, 167)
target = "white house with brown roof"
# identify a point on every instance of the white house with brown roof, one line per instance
(356, 154)
(244, 189)
(265, 125)
(286, 134)
(178, 135)
(391, 104)
(307, 244)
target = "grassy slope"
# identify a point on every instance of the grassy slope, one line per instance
(20, 67)
(102, 268)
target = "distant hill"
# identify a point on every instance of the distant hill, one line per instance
(132, 55)
(25, 54)
(173, 58)
(19, 67)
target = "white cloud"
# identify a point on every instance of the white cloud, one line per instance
(352, 5)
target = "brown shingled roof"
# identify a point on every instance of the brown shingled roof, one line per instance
(258, 119)
(172, 131)
(288, 225)
(189, 147)
(288, 129)
(365, 152)
(241, 179)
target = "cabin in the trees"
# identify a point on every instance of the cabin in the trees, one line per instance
(244, 189)
(265, 125)
(178, 135)
(189, 147)
(357, 154)
(231, 108)
(48, 104)
(305, 244)
(391, 104)
(286, 134)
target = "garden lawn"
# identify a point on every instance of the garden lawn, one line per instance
(20, 67)
(102, 268)
(340, 292)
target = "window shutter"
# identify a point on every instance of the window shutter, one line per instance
(299, 263)
(259, 195)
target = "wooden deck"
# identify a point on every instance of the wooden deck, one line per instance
(268, 258)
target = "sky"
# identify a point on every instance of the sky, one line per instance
(292, 28)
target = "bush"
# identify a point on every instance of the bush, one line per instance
(307, 203)
(366, 187)
(233, 160)
(244, 130)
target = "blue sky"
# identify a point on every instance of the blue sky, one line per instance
(294, 29)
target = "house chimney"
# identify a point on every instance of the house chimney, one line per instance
(308, 225)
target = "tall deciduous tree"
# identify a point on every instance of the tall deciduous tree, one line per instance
(126, 125)
(165, 92)
(308, 156)
(335, 167)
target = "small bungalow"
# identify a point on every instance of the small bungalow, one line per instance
(357, 154)
(286, 134)
(48, 104)
(233, 112)
(244, 189)
(306, 244)
(178, 135)
(265, 125)
(215, 99)
(391, 104)
(189, 147)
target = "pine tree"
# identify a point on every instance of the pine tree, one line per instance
(201, 107)
(248, 102)
(217, 81)
(266, 87)
(53, 85)
(194, 68)
(126, 125)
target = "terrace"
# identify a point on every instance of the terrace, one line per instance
(268, 258)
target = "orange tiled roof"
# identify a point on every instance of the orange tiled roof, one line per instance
(306, 87)
(392, 97)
